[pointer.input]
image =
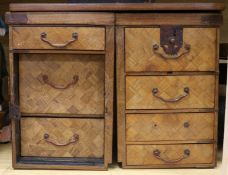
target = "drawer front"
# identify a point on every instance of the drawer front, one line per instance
(75, 38)
(170, 92)
(57, 137)
(141, 57)
(170, 154)
(64, 84)
(170, 127)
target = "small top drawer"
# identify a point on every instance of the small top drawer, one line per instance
(74, 38)
(145, 52)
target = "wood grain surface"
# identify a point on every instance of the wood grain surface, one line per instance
(140, 56)
(90, 132)
(117, 7)
(89, 38)
(143, 154)
(80, 18)
(139, 92)
(170, 127)
(85, 97)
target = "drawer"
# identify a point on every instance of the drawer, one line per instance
(62, 137)
(170, 154)
(170, 92)
(74, 38)
(141, 57)
(170, 127)
(61, 83)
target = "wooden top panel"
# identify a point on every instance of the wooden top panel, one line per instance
(41, 7)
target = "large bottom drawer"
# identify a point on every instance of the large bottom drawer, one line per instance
(62, 137)
(152, 155)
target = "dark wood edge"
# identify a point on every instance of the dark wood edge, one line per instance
(223, 51)
(173, 166)
(72, 116)
(62, 161)
(16, 18)
(35, 7)
(18, 165)
(156, 19)
(76, 18)
(131, 19)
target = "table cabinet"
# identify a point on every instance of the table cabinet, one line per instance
(61, 84)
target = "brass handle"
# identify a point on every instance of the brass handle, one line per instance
(72, 140)
(45, 79)
(155, 92)
(43, 37)
(161, 51)
(157, 154)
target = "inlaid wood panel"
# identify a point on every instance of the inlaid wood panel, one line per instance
(74, 84)
(170, 127)
(170, 154)
(90, 141)
(88, 38)
(140, 56)
(170, 92)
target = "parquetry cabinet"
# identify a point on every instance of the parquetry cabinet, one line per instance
(61, 84)
(167, 86)
(61, 88)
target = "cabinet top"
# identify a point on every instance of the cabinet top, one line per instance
(71, 7)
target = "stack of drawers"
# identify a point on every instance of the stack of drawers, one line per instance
(168, 105)
(61, 84)
(61, 93)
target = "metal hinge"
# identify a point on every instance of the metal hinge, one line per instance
(171, 39)
(14, 111)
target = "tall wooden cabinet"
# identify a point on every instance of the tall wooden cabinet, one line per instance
(61, 84)
(61, 88)
(167, 86)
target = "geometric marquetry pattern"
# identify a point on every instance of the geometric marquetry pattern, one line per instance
(90, 131)
(166, 127)
(89, 38)
(139, 92)
(143, 154)
(140, 56)
(84, 97)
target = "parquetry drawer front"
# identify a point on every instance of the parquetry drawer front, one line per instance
(170, 92)
(148, 50)
(61, 83)
(181, 155)
(170, 127)
(74, 38)
(57, 137)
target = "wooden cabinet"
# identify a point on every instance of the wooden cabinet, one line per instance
(167, 88)
(61, 84)
(61, 87)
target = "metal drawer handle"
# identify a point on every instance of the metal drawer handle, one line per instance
(161, 50)
(172, 100)
(72, 140)
(46, 80)
(157, 154)
(43, 37)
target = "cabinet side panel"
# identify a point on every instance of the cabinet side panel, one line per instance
(120, 88)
